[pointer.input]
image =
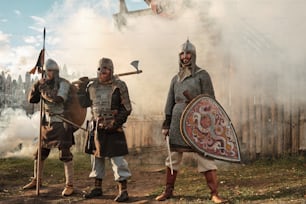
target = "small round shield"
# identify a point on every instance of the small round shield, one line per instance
(74, 112)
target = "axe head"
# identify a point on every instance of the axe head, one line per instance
(135, 64)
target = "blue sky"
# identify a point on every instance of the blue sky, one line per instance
(22, 23)
(18, 16)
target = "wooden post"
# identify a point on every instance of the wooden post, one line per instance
(258, 126)
(251, 120)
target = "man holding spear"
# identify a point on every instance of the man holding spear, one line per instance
(52, 91)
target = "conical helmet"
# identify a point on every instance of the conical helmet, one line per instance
(51, 65)
(188, 47)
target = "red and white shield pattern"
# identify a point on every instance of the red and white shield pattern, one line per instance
(206, 127)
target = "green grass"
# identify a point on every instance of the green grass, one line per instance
(20, 170)
(263, 181)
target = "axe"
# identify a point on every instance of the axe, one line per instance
(134, 63)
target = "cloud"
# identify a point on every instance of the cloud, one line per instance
(38, 20)
(15, 60)
(4, 38)
(30, 39)
(36, 28)
(4, 47)
(3, 20)
(17, 12)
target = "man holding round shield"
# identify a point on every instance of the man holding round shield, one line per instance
(190, 82)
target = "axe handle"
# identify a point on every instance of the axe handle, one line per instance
(116, 75)
(129, 73)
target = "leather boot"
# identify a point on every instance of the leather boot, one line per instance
(68, 190)
(212, 183)
(170, 180)
(33, 182)
(96, 191)
(123, 194)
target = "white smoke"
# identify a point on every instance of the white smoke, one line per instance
(248, 47)
(264, 42)
(260, 40)
(19, 133)
(87, 35)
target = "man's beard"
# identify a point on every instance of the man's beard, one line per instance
(183, 73)
(105, 78)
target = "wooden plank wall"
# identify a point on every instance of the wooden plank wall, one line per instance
(267, 131)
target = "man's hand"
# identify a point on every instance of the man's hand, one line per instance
(42, 85)
(109, 125)
(165, 132)
(51, 96)
(42, 81)
(82, 85)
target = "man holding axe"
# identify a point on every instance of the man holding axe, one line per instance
(108, 98)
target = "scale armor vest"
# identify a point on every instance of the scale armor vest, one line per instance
(101, 97)
(58, 108)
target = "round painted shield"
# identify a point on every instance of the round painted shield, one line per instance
(206, 127)
(74, 112)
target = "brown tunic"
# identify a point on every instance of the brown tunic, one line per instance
(55, 133)
(103, 99)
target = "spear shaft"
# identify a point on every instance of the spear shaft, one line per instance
(42, 112)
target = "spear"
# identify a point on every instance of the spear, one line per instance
(39, 68)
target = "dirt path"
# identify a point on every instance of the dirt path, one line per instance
(140, 188)
(270, 183)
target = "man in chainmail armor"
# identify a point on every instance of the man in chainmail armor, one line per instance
(190, 82)
(54, 91)
(108, 98)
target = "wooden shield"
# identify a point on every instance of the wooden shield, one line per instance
(74, 112)
(206, 127)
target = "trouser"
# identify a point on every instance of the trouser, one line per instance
(65, 154)
(204, 164)
(119, 166)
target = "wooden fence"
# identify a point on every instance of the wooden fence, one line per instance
(263, 131)
(269, 130)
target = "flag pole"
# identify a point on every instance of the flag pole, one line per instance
(42, 112)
